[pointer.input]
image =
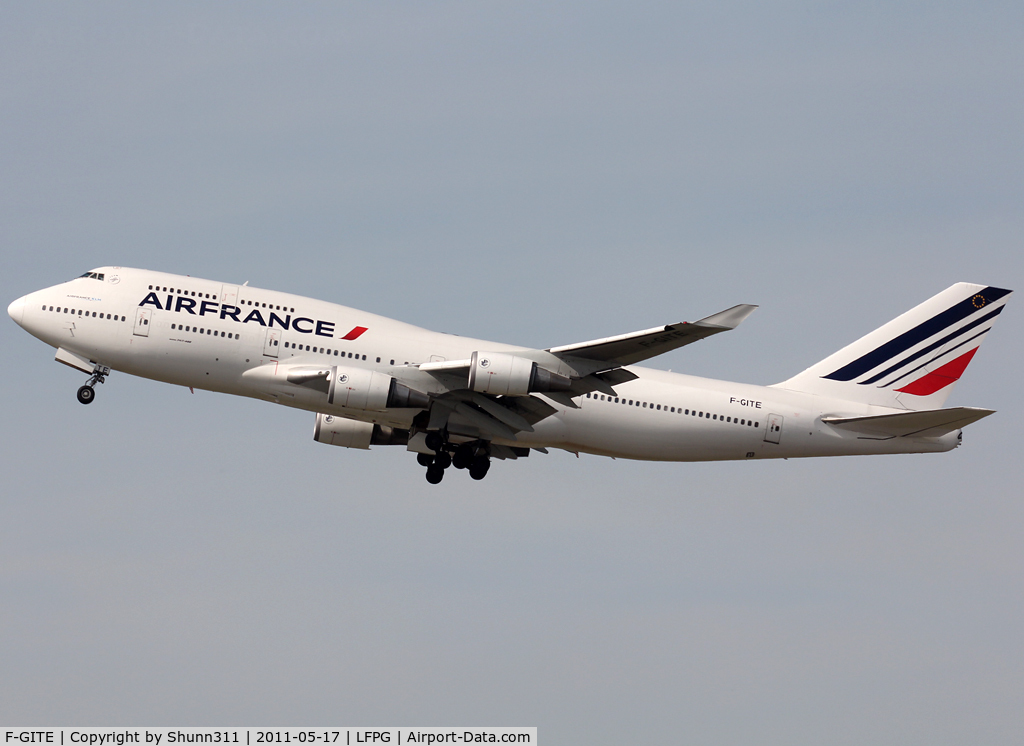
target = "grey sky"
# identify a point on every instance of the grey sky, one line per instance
(538, 175)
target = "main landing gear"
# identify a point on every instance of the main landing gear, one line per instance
(87, 393)
(472, 456)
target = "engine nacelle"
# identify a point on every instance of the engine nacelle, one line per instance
(339, 431)
(504, 374)
(358, 388)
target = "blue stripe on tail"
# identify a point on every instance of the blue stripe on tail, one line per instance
(919, 333)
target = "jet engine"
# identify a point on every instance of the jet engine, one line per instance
(504, 374)
(358, 388)
(338, 431)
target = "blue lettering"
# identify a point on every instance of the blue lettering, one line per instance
(254, 316)
(295, 325)
(283, 322)
(187, 303)
(325, 328)
(151, 300)
(207, 307)
(231, 311)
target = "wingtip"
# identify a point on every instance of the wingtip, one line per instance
(730, 318)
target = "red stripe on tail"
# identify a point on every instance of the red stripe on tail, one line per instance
(940, 377)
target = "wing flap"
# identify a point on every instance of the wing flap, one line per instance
(928, 423)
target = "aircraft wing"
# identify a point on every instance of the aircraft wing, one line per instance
(627, 349)
(592, 366)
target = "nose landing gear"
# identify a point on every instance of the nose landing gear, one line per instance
(87, 393)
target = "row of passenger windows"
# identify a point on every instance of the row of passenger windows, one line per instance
(271, 307)
(179, 291)
(83, 313)
(326, 351)
(203, 330)
(193, 293)
(674, 410)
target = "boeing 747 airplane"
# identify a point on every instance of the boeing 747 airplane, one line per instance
(461, 402)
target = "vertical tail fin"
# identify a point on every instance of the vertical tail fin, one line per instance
(913, 361)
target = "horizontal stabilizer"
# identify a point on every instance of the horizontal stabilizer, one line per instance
(929, 423)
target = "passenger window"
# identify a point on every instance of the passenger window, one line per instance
(378, 360)
(392, 362)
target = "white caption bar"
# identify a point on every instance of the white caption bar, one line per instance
(260, 736)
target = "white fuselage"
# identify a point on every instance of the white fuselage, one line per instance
(234, 339)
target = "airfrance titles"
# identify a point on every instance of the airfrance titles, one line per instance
(181, 304)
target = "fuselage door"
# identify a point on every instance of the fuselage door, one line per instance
(774, 432)
(273, 343)
(228, 295)
(142, 318)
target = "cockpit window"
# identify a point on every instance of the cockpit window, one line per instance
(94, 275)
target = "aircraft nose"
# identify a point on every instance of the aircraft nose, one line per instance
(17, 310)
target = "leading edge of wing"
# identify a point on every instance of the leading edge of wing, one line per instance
(625, 349)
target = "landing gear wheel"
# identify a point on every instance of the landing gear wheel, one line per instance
(442, 460)
(435, 475)
(434, 441)
(86, 394)
(478, 469)
(424, 459)
(463, 458)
